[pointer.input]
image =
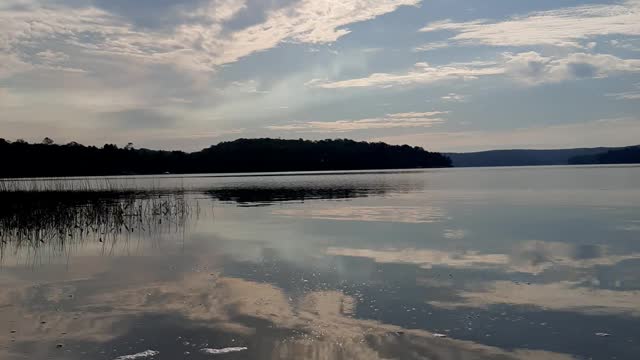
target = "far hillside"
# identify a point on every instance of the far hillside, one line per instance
(524, 157)
(629, 155)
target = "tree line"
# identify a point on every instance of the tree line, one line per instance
(628, 155)
(48, 159)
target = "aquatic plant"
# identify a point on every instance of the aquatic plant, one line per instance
(59, 217)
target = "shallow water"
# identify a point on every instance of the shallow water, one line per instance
(532, 263)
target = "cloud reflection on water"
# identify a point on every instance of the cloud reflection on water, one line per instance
(316, 325)
(369, 270)
(396, 214)
(532, 257)
(564, 295)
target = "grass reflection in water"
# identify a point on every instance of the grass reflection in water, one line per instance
(58, 219)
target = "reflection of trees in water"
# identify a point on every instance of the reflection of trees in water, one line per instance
(267, 195)
(58, 220)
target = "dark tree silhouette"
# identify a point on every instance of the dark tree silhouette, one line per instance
(21, 159)
(48, 141)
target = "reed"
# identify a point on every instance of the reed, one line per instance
(58, 217)
(64, 185)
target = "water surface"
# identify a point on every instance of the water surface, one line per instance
(500, 263)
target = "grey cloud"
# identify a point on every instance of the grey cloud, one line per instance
(582, 70)
(139, 119)
(586, 252)
(533, 68)
(50, 56)
(389, 121)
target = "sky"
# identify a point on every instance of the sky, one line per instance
(447, 75)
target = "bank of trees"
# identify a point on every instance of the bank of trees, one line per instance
(22, 159)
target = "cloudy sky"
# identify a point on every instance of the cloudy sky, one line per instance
(449, 75)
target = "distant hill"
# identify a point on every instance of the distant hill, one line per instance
(249, 155)
(628, 155)
(21, 159)
(523, 157)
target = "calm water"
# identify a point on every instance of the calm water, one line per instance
(523, 263)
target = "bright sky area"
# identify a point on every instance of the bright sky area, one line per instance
(448, 75)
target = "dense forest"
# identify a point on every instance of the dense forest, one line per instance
(628, 155)
(21, 159)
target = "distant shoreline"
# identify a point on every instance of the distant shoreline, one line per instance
(274, 157)
(542, 157)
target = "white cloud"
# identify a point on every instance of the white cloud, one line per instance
(11, 64)
(533, 68)
(527, 67)
(199, 46)
(455, 234)
(389, 121)
(560, 27)
(316, 82)
(40, 39)
(606, 132)
(87, 28)
(307, 21)
(88, 100)
(422, 73)
(627, 95)
(626, 44)
(431, 46)
(454, 97)
(218, 10)
(49, 56)
(179, 100)
(246, 87)
(414, 115)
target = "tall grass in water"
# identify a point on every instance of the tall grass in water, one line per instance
(60, 213)
(63, 185)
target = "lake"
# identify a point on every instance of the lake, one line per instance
(493, 263)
